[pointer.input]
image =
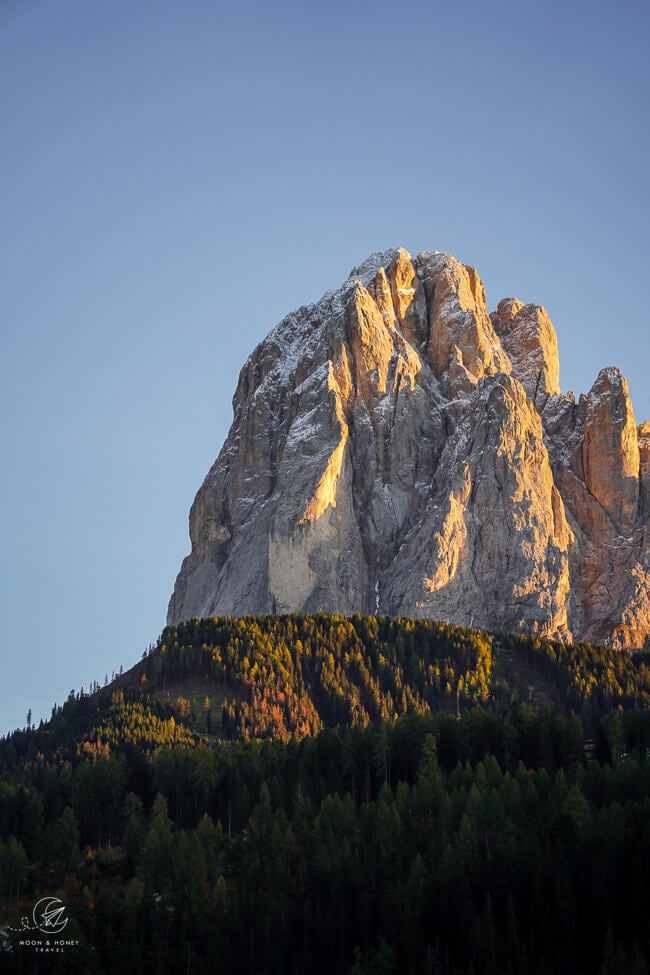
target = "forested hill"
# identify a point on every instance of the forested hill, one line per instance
(282, 677)
(407, 809)
(289, 676)
(279, 676)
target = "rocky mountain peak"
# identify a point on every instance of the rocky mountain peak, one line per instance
(611, 460)
(527, 335)
(397, 449)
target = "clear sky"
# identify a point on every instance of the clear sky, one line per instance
(176, 176)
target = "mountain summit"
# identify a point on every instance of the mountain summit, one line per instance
(395, 449)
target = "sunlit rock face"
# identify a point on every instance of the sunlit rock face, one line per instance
(395, 449)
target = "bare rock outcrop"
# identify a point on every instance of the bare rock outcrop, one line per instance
(527, 335)
(396, 449)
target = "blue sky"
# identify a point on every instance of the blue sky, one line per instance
(176, 176)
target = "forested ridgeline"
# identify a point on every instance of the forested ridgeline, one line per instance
(284, 676)
(278, 676)
(424, 844)
(354, 796)
(266, 677)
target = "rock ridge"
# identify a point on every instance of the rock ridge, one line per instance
(396, 449)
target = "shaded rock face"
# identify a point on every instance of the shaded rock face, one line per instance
(395, 449)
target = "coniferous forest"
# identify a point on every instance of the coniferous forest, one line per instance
(331, 795)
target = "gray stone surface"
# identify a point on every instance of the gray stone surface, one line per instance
(397, 450)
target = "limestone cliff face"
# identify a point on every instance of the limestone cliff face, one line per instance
(396, 449)
(527, 335)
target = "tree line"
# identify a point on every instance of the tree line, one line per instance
(340, 795)
(426, 843)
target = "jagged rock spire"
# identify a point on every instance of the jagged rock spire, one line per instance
(396, 449)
